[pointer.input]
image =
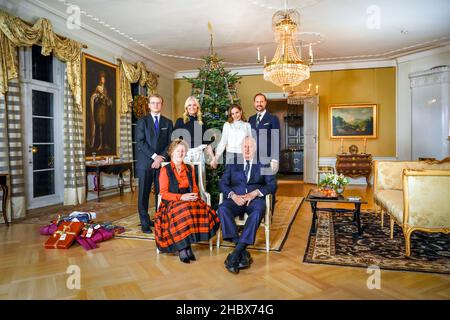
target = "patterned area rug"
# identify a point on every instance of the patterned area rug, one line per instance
(44, 218)
(285, 212)
(334, 243)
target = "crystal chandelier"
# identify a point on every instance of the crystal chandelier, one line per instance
(287, 69)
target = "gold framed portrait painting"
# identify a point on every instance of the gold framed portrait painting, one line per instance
(353, 121)
(100, 106)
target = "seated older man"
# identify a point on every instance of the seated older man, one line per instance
(244, 186)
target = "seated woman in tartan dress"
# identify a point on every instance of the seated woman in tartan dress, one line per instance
(183, 217)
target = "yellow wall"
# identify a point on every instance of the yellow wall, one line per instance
(376, 85)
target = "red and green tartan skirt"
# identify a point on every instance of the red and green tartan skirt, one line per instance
(178, 224)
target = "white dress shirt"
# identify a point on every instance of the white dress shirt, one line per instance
(232, 136)
(260, 113)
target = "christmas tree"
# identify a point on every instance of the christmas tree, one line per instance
(215, 89)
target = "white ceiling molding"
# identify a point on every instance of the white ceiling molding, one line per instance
(90, 35)
(423, 54)
(247, 71)
(145, 30)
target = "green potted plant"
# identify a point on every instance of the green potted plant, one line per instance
(334, 181)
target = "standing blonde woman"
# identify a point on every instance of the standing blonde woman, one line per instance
(192, 122)
(233, 133)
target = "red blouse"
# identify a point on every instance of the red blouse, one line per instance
(182, 179)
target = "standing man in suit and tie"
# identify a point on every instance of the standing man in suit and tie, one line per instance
(266, 127)
(153, 134)
(244, 186)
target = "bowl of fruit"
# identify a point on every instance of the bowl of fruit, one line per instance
(324, 193)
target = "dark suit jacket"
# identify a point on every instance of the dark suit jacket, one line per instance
(234, 179)
(266, 132)
(148, 141)
(195, 130)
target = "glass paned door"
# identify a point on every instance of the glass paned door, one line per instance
(41, 147)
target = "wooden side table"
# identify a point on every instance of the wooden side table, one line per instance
(4, 186)
(355, 165)
(112, 168)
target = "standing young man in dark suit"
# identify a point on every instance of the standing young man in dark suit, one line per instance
(266, 127)
(244, 187)
(153, 135)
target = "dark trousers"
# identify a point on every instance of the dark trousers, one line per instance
(146, 179)
(228, 210)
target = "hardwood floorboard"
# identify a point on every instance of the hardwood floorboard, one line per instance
(131, 269)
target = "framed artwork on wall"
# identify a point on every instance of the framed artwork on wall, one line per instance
(100, 105)
(353, 121)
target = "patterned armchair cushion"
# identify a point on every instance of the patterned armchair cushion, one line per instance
(428, 199)
(392, 200)
(389, 173)
(435, 166)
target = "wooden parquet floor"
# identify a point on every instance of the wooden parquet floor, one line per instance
(131, 269)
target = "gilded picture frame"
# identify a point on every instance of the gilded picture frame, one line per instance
(101, 112)
(350, 121)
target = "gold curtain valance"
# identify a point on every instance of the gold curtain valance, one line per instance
(131, 74)
(14, 32)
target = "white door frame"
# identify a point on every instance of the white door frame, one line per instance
(311, 139)
(57, 88)
(310, 134)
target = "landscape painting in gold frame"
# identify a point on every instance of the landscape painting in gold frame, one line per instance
(100, 107)
(349, 121)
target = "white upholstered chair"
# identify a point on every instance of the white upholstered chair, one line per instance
(265, 222)
(200, 179)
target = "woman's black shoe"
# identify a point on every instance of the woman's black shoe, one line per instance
(185, 259)
(184, 256)
(191, 254)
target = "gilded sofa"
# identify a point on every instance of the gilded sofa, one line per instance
(415, 195)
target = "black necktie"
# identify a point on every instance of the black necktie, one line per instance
(156, 124)
(258, 120)
(247, 168)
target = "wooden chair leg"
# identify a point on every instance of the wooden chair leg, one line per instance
(267, 239)
(218, 238)
(408, 243)
(392, 229)
(210, 244)
(382, 216)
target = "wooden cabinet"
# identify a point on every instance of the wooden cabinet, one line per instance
(354, 165)
(291, 161)
(293, 133)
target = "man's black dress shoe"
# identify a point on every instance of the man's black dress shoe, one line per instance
(148, 231)
(232, 263)
(245, 260)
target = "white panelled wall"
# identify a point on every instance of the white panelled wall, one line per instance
(405, 66)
